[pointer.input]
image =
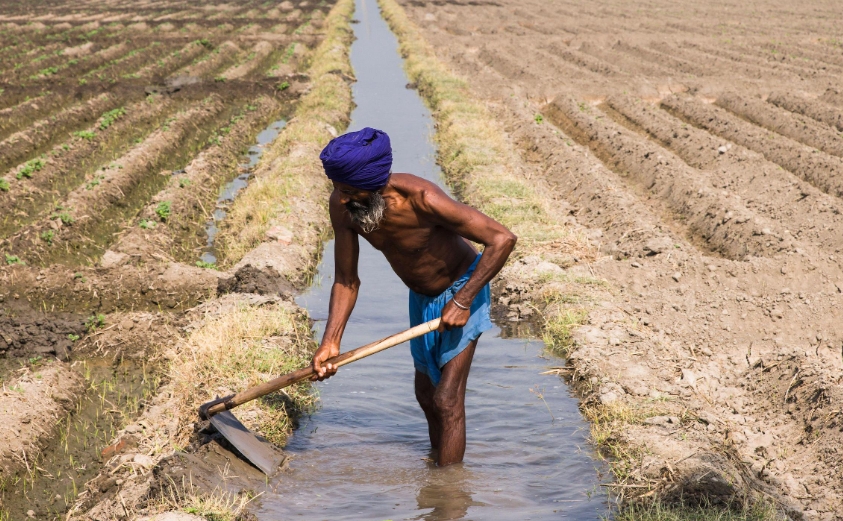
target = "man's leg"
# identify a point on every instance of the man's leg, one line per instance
(424, 394)
(449, 401)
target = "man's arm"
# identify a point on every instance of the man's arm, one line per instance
(343, 291)
(474, 226)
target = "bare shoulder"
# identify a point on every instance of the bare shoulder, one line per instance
(423, 194)
(339, 216)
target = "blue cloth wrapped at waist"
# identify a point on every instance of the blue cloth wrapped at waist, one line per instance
(432, 351)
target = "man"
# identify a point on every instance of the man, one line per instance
(424, 234)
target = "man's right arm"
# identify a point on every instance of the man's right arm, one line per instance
(343, 291)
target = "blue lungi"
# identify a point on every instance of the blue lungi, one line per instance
(432, 351)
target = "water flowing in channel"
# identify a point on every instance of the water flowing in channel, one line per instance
(365, 453)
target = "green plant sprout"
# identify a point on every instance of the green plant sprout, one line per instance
(33, 165)
(163, 210)
(13, 259)
(95, 322)
(206, 265)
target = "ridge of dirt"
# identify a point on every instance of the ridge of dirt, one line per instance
(114, 186)
(49, 387)
(71, 161)
(763, 185)
(794, 126)
(192, 194)
(813, 109)
(26, 142)
(818, 168)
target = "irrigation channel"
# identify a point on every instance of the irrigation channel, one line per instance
(365, 453)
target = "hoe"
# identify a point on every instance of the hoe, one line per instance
(259, 453)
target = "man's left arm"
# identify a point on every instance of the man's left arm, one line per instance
(475, 226)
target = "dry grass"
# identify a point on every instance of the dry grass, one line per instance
(290, 171)
(239, 349)
(219, 505)
(657, 511)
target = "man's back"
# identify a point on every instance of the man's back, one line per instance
(416, 234)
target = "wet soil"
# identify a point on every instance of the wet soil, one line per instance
(669, 133)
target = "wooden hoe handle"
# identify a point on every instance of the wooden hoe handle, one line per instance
(229, 402)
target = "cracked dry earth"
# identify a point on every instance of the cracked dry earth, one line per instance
(700, 145)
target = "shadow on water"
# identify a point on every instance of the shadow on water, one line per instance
(365, 453)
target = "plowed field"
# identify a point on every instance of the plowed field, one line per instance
(119, 124)
(700, 147)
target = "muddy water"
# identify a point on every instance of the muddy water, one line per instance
(231, 189)
(365, 453)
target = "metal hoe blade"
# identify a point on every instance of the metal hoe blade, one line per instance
(259, 453)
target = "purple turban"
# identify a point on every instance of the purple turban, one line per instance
(361, 159)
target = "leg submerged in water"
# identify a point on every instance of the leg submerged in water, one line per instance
(444, 407)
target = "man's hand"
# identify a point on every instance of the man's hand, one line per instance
(327, 370)
(453, 316)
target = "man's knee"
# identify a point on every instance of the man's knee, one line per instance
(424, 392)
(449, 404)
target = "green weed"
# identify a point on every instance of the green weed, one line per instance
(13, 259)
(4, 185)
(184, 182)
(72, 337)
(33, 165)
(95, 322)
(48, 236)
(163, 210)
(283, 85)
(539, 118)
(85, 134)
(110, 117)
(206, 265)
(147, 224)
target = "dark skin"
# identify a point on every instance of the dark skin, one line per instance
(424, 236)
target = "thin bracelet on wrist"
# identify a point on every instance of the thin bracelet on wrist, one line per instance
(456, 303)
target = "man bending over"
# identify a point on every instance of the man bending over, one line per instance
(424, 234)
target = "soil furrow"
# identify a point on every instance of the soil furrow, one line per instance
(175, 60)
(257, 57)
(833, 96)
(72, 68)
(94, 211)
(816, 110)
(781, 121)
(28, 144)
(116, 284)
(51, 388)
(585, 61)
(821, 170)
(69, 163)
(192, 195)
(763, 185)
(711, 62)
(211, 62)
(724, 224)
(663, 59)
(741, 58)
(23, 114)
